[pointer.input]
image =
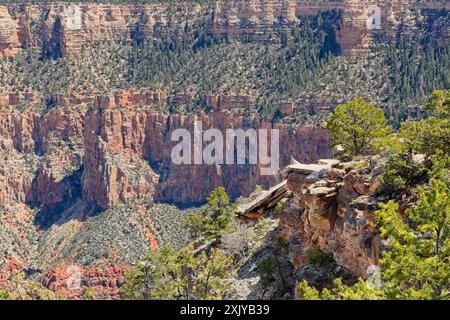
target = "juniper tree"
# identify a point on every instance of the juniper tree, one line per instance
(358, 127)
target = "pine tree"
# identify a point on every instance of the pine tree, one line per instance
(179, 275)
(216, 218)
(416, 265)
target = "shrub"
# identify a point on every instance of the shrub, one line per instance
(400, 173)
(265, 269)
(319, 259)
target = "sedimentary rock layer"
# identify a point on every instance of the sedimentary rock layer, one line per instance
(333, 210)
(62, 29)
(115, 154)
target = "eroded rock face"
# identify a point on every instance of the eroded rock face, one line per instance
(68, 281)
(61, 29)
(114, 168)
(104, 155)
(115, 154)
(34, 153)
(128, 154)
(333, 209)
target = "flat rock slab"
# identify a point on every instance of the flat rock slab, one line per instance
(365, 203)
(307, 169)
(266, 199)
(322, 191)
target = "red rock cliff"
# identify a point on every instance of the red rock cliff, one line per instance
(61, 29)
(124, 153)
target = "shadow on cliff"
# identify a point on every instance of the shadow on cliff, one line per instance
(53, 45)
(61, 203)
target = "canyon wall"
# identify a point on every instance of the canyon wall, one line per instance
(92, 153)
(62, 29)
(115, 154)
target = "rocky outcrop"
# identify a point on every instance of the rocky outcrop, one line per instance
(34, 152)
(69, 281)
(14, 99)
(62, 29)
(354, 33)
(326, 206)
(114, 168)
(333, 210)
(264, 201)
(219, 103)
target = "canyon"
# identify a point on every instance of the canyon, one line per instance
(75, 161)
(125, 152)
(81, 170)
(62, 29)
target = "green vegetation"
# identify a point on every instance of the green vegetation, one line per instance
(20, 239)
(120, 235)
(192, 272)
(207, 267)
(432, 135)
(418, 66)
(18, 287)
(318, 258)
(274, 68)
(179, 275)
(422, 139)
(360, 291)
(186, 60)
(265, 269)
(401, 172)
(415, 263)
(216, 218)
(358, 127)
